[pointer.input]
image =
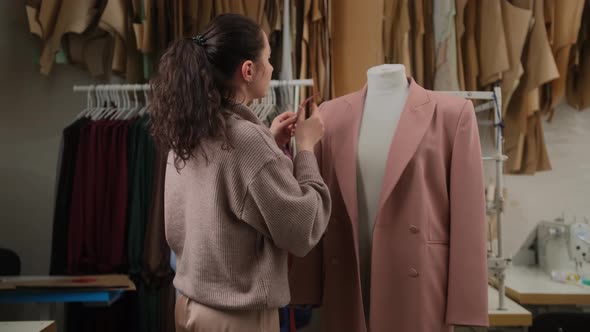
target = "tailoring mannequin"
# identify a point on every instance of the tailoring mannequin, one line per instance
(387, 91)
(405, 174)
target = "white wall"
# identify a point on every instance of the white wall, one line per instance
(563, 190)
(34, 110)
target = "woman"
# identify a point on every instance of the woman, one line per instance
(233, 206)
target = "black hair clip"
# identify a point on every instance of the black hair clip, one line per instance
(200, 40)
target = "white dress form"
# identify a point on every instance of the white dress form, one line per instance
(387, 91)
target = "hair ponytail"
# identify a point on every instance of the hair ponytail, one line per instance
(192, 92)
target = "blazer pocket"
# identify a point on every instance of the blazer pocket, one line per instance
(439, 243)
(438, 230)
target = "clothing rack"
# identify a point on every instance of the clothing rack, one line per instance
(146, 87)
(497, 263)
(106, 89)
(111, 92)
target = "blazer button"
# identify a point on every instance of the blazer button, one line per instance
(413, 273)
(414, 229)
(334, 261)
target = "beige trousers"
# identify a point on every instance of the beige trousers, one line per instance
(194, 317)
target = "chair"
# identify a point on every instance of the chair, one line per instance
(561, 322)
(9, 263)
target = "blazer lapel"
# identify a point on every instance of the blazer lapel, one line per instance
(412, 126)
(345, 147)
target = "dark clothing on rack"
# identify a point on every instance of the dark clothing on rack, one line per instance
(118, 191)
(157, 273)
(141, 175)
(96, 236)
(157, 253)
(146, 228)
(109, 219)
(65, 180)
(78, 213)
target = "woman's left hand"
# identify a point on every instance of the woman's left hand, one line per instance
(283, 128)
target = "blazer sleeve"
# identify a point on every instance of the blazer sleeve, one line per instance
(467, 302)
(292, 210)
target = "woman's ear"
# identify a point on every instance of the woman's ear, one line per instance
(248, 71)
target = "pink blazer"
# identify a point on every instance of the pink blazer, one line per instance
(429, 268)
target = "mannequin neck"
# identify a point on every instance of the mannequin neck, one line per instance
(388, 78)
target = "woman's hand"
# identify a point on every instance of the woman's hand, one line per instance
(283, 128)
(309, 131)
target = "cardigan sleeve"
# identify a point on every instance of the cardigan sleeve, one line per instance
(292, 210)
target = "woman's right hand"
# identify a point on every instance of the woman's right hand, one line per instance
(308, 132)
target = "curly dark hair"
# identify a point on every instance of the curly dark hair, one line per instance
(192, 92)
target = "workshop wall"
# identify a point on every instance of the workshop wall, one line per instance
(34, 111)
(546, 195)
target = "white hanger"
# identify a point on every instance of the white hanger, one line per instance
(264, 106)
(267, 105)
(106, 101)
(149, 103)
(137, 107)
(96, 104)
(125, 108)
(122, 104)
(145, 108)
(89, 105)
(112, 105)
(286, 105)
(254, 106)
(99, 105)
(117, 106)
(128, 107)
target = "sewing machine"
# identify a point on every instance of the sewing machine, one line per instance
(562, 246)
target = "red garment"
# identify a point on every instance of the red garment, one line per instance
(96, 239)
(118, 195)
(96, 235)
